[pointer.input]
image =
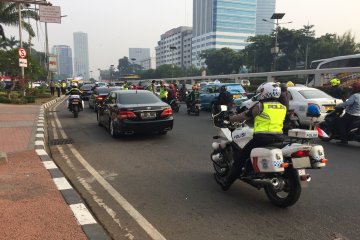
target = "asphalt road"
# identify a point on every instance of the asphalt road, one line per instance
(168, 180)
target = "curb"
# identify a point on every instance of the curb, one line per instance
(91, 228)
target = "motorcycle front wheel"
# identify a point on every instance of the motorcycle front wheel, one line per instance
(289, 194)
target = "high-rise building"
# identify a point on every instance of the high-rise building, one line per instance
(265, 9)
(64, 60)
(174, 47)
(81, 55)
(149, 63)
(222, 23)
(139, 54)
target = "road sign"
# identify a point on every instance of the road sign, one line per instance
(22, 62)
(52, 63)
(22, 53)
(50, 14)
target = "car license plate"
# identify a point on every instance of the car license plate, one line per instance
(329, 108)
(301, 172)
(148, 115)
(235, 96)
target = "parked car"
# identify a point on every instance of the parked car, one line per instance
(209, 93)
(98, 95)
(300, 98)
(129, 112)
(86, 89)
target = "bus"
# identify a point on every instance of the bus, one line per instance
(336, 62)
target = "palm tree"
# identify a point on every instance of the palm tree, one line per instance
(9, 16)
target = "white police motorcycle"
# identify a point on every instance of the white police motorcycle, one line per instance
(280, 170)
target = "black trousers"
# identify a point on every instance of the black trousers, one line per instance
(345, 125)
(52, 91)
(259, 140)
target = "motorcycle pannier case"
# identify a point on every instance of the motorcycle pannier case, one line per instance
(267, 160)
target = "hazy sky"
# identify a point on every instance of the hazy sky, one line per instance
(113, 26)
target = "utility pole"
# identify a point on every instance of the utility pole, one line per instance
(20, 37)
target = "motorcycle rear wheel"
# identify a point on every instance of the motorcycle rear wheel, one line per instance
(290, 193)
(76, 111)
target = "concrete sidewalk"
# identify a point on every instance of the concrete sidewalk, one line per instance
(31, 205)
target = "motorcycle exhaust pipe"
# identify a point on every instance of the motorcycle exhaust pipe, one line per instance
(216, 157)
(261, 182)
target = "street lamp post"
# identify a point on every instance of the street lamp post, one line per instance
(275, 50)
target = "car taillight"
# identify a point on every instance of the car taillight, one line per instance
(99, 98)
(167, 112)
(126, 115)
(300, 153)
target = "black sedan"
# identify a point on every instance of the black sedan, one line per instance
(126, 112)
(98, 95)
(86, 92)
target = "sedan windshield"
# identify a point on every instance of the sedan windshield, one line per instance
(137, 98)
(313, 94)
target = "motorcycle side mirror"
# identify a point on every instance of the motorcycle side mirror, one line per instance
(223, 108)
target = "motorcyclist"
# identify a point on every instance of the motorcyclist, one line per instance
(74, 91)
(171, 92)
(125, 85)
(182, 92)
(224, 98)
(335, 90)
(192, 96)
(163, 92)
(268, 115)
(352, 113)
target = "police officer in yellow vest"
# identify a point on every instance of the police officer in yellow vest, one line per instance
(269, 115)
(163, 92)
(125, 85)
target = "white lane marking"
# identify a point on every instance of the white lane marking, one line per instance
(41, 121)
(40, 130)
(41, 152)
(49, 165)
(145, 224)
(40, 125)
(82, 214)
(62, 183)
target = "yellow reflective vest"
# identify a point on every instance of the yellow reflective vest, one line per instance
(271, 119)
(163, 92)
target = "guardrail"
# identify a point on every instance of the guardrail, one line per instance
(319, 73)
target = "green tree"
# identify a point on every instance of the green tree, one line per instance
(9, 16)
(126, 67)
(222, 61)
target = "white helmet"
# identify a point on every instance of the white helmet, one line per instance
(74, 85)
(268, 90)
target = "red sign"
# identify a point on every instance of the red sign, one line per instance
(22, 53)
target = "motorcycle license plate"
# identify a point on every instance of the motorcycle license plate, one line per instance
(148, 115)
(75, 103)
(303, 162)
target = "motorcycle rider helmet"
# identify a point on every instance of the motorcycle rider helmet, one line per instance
(334, 82)
(74, 85)
(268, 90)
(290, 84)
(283, 87)
(356, 87)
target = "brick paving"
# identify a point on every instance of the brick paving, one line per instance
(31, 205)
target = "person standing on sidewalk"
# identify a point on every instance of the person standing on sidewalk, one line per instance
(58, 87)
(52, 88)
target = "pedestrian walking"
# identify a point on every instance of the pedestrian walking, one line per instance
(52, 88)
(58, 87)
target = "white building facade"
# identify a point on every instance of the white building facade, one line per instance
(174, 47)
(265, 9)
(222, 23)
(149, 63)
(81, 55)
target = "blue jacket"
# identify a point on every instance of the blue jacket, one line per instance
(352, 105)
